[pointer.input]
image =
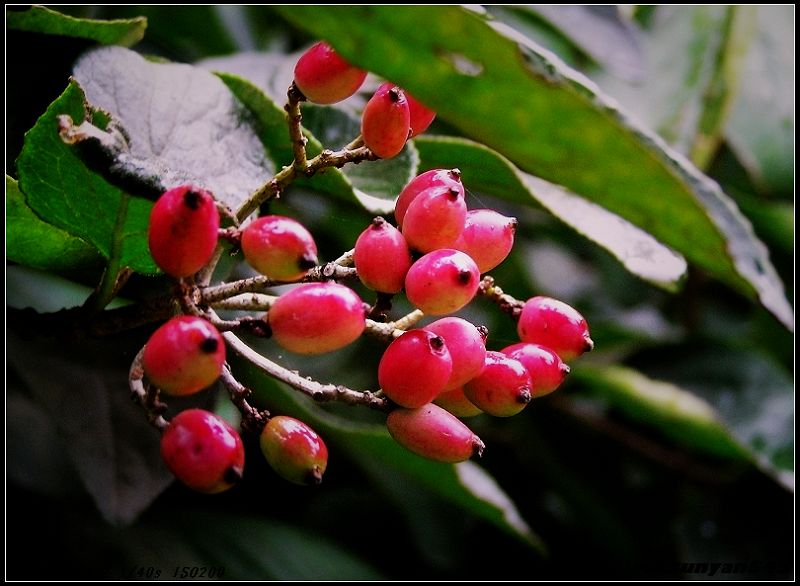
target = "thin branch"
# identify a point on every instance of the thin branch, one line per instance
(246, 302)
(253, 420)
(295, 118)
(318, 391)
(391, 330)
(505, 302)
(146, 397)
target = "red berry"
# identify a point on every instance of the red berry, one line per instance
(183, 356)
(324, 77)
(503, 388)
(317, 317)
(456, 402)
(421, 117)
(487, 237)
(382, 257)
(431, 432)
(545, 367)
(435, 219)
(467, 347)
(385, 121)
(203, 451)
(554, 324)
(294, 450)
(184, 223)
(442, 281)
(450, 178)
(414, 368)
(279, 247)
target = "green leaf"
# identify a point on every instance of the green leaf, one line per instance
(601, 32)
(63, 192)
(489, 172)
(465, 485)
(182, 124)
(38, 19)
(498, 87)
(678, 414)
(35, 243)
(375, 185)
(761, 126)
(741, 407)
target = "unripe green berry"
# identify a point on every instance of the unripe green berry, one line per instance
(294, 450)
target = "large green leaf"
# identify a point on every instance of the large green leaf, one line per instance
(465, 485)
(373, 184)
(38, 19)
(761, 126)
(498, 87)
(489, 172)
(182, 125)
(741, 408)
(62, 191)
(35, 243)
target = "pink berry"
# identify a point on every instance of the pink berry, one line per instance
(449, 178)
(456, 402)
(421, 116)
(467, 347)
(279, 247)
(184, 356)
(317, 317)
(382, 257)
(435, 219)
(545, 367)
(442, 281)
(294, 450)
(487, 237)
(324, 77)
(182, 235)
(385, 121)
(503, 388)
(414, 368)
(203, 451)
(431, 432)
(554, 324)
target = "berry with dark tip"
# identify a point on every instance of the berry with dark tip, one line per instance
(279, 247)
(554, 324)
(488, 237)
(466, 344)
(442, 281)
(203, 451)
(294, 450)
(184, 356)
(448, 178)
(183, 230)
(431, 432)
(503, 388)
(314, 318)
(546, 368)
(382, 257)
(414, 368)
(435, 219)
(385, 121)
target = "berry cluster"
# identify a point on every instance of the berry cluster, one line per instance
(430, 377)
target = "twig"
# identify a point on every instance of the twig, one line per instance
(505, 302)
(253, 420)
(391, 330)
(295, 118)
(146, 397)
(318, 391)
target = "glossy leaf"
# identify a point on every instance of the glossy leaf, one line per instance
(489, 172)
(494, 85)
(62, 191)
(32, 242)
(182, 124)
(38, 19)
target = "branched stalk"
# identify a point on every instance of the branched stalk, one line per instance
(505, 302)
(253, 420)
(295, 118)
(146, 396)
(318, 391)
